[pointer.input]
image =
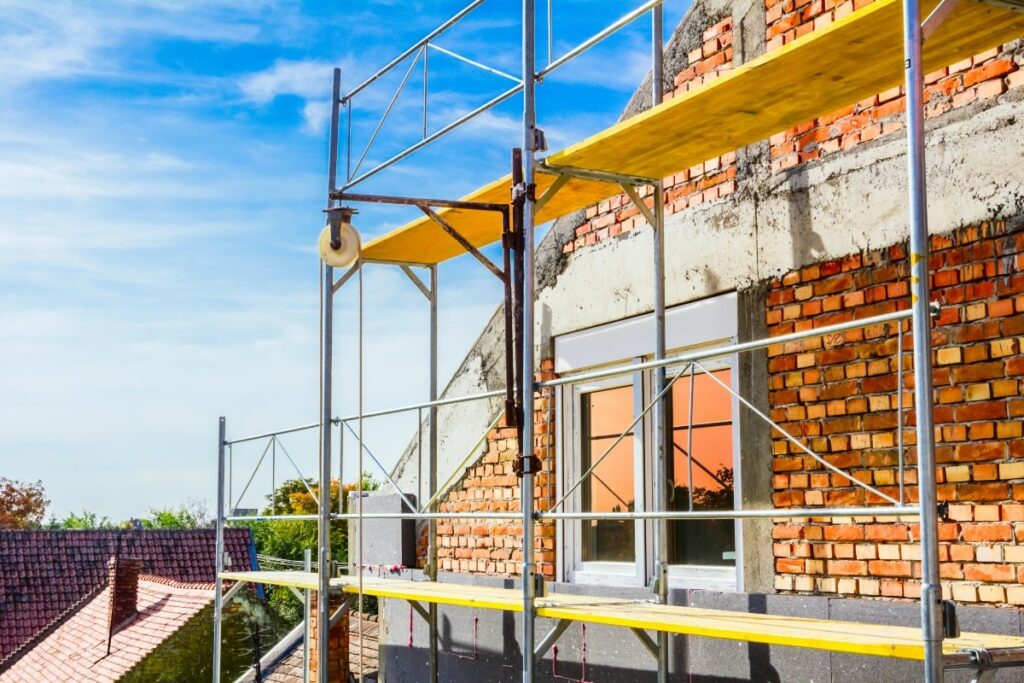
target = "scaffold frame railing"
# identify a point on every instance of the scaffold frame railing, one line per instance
(517, 274)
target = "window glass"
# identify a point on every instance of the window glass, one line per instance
(702, 542)
(610, 487)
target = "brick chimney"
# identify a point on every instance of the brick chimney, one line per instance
(337, 663)
(124, 589)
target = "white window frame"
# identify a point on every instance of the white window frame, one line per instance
(596, 572)
(706, 577)
(709, 321)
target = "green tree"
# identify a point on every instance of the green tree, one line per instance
(191, 515)
(288, 540)
(80, 521)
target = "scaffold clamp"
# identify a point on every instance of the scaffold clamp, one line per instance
(526, 464)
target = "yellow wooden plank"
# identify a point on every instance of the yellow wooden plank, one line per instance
(847, 61)
(825, 70)
(835, 636)
(302, 580)
(422, 241)
(481, 597)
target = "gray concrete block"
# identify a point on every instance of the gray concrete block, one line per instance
(385, 541)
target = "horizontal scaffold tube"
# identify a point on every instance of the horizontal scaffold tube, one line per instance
(378, 413)
(887, 511)
(719, 351)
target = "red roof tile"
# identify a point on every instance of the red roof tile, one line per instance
(44, 574)
(76, 650)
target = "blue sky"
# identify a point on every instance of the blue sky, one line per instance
(162, 175)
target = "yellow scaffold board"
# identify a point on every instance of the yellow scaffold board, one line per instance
(849, 60)
(837, 636)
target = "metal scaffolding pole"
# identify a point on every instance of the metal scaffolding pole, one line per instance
(660, 432)
(527, 350)
(432, 472)
(218, 591)
(323, 606)
(931, 590)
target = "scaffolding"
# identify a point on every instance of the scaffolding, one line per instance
(850, 59)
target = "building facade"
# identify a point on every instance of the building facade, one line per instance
(803, 230)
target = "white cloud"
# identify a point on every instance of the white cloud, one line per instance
(306, 79)
(303, 78)
(60, 39)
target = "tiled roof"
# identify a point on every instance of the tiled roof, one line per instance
(288, 669)
(43, 574)
(76, 650)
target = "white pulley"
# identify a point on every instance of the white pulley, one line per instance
(348, 249)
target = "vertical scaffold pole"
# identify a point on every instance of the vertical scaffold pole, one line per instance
(432, 474)
(218, 591)
(931, 590)
(323, 606)
(527, 447)
(659, 469)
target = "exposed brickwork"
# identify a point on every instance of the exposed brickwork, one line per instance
(124, 590)
(337, 646)
(839, 395)
(490, 485)
(713, 179)
(985, 76)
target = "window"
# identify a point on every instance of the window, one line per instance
(594, 424)
(702, 452)
(605, 414)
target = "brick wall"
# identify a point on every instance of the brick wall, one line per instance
(839, 395)
(337, 643)
(713, 179)
(984, 76)
(124, 590)
(487, 546)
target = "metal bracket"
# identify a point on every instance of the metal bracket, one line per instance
(640, 204)
(942, 511)
(464, 242)
(420, 610)
(646, 641)
(984, 671)
(522, 190)
(559, 183)
(540, 142)
(346, 276)
(526, 465)
(345, 605)
(950, 623)
(342, 196)
(232, 591)
(551, 638)
(935, 19)
(420, 285)
(592, 174)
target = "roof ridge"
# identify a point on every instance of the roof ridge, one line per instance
(174, 583)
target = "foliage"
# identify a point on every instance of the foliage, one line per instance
(22, 504)
(192, 515)
(80, 521)
(718, 498)
(288, 540)
(249, 631)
